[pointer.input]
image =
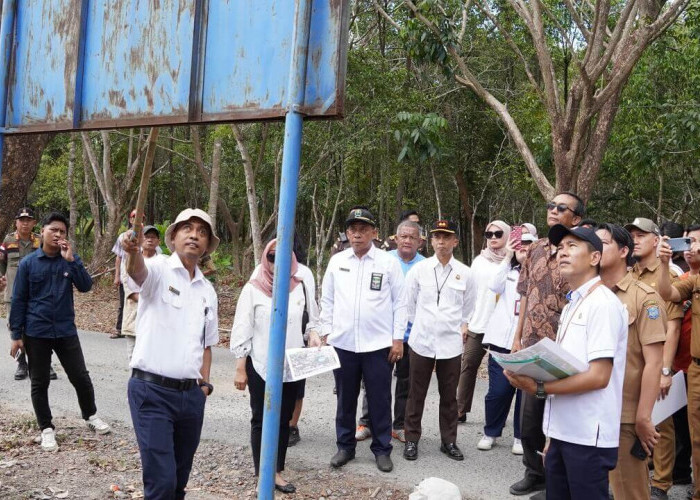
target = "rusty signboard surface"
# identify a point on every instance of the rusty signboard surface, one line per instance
(86, 64)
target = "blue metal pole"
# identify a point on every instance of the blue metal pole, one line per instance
(7, 24)
(285, 235)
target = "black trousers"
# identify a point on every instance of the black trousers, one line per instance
(256, 387)
(120, 314)
(70, 354)
(684, 449)
(531, 435)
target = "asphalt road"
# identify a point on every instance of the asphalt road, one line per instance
(482, 475)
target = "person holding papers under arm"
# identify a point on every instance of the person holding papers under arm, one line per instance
(582, 412)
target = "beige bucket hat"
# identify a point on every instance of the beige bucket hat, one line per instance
(186, 215)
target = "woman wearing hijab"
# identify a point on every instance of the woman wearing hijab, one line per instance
(483, 267)
(249, 344)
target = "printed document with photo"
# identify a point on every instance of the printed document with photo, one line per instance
(306, 362)
(545, 361)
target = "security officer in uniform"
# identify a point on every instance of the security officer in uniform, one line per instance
(176, 325)
(14, 248)
(391, 243)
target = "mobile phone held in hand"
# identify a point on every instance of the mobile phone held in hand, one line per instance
(516, 236)
(18, 354)
(637, 450)
(679, 244)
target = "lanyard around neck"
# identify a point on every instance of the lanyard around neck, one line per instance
(437, 284)
(571, 316)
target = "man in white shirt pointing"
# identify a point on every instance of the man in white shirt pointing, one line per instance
(361, 317)
(439, 294)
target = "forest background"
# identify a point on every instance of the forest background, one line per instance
(466, 110)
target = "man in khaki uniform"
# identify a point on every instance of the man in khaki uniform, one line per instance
(14, 248)
(647, 331)
(646, 235)
(679, 291)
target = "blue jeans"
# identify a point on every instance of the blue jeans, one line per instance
(167, 423)
(498, 400)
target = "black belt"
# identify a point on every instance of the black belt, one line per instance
(696, 361)
(170, 383)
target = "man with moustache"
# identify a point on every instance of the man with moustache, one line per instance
(42, 321)
(582, 411)
(543, 292)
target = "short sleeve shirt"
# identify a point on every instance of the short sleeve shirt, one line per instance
(690, 290)
(545, 289)
(683, 358)
(646, 325)
(651, 275)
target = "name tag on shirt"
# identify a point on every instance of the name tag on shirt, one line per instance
(174, 290)
(516, 311)
(376, 282)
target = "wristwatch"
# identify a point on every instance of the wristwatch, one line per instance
(666, 372)
(208, 386)
(540, 394)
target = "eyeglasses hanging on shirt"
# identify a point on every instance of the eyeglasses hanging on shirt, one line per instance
(437, 284)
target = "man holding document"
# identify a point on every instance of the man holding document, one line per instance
(582, 412)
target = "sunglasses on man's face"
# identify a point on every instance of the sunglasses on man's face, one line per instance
(561, 207)
(493, 234)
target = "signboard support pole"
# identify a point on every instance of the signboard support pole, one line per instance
(7, 29)
(291, 158)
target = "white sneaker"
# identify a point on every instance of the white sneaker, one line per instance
(362, 433)
(96, 424)
(48, 440)
(517, 448)
(486, 443)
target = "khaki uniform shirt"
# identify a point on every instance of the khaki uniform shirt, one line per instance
(690, 290)
(12, 251)
(647, 325)
(651, 275)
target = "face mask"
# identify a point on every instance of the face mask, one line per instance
(271, 258)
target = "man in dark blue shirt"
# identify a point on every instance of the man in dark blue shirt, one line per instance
(42, 321)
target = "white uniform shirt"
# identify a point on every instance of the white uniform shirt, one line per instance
(250, 334)
(597, 329)
(360, 308)
(482, 270)
(504, 319)
(436, 331)
(177, 318)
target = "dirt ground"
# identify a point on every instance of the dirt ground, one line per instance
(100, 467)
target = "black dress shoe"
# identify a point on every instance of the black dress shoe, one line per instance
(527, 485)
(462, 419)
(21, 372)
(52, 373)
(287, 488)
(451, 450)
(294, 437)
(342, 457)
(410, 450)
(384, 463)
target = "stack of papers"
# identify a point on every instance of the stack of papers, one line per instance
(545, 361)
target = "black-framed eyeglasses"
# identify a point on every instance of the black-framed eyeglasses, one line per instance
(561, 207)
(493, 234)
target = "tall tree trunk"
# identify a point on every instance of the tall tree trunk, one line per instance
(22, 156)
(214, 186)
(250, 193)
(72, 200)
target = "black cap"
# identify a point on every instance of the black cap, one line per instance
(146, 229)
(25, 212)
(557, 233)
(444, 226)
(360, 215)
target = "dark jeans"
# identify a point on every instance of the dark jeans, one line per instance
(375, 368)
(70, 354)
(498, 400)
(533, 439)
(403, 367)
(167, 423)
(120, 314)
(684, 449)
(256, 386)
(578, 472)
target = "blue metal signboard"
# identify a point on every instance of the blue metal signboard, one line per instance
(88, 64)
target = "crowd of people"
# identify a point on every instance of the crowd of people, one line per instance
(615, 297)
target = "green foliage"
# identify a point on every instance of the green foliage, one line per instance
(420, 135)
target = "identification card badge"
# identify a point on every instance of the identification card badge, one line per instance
(376, 283)
(516, 310)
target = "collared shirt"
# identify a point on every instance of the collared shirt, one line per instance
(406, 266)
(482, 270)
(12, 251)
(439, 300)
(651, 275)
(683, 358)
(689, 289)
(545, 289)
(250, 335)
(593, 326)
(42, 302)
(504, 319)
(646, 325)
(360, 309)
(177, 319)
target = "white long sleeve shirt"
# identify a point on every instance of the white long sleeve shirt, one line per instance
(501, 328)
(360, 301)
(483, 269)
(439, 299)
